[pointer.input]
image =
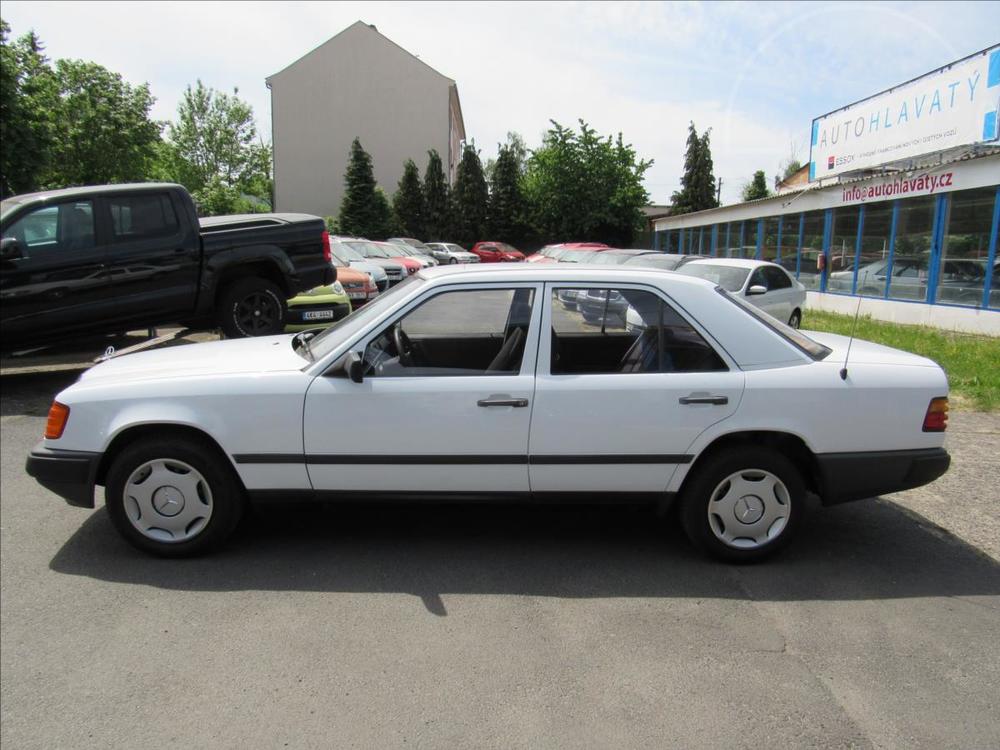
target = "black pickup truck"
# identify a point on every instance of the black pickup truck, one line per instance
(112, 258)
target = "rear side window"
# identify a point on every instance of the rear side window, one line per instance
(137, 217)
(623, 331)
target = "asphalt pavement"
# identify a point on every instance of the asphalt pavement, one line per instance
(500, 627)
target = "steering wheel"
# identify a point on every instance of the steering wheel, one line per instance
(404, 347)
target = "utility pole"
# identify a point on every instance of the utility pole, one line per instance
(718, 192)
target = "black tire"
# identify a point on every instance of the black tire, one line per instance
(708, 478)
(452, 261)
(251, 306)
(227, 497)
(796, 320)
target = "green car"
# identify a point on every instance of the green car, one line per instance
(317, 308)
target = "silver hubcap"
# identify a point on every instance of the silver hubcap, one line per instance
(168, 500)
(749, 508)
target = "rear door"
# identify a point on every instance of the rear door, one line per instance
(55, 279)
(618, 404)
(155, 254)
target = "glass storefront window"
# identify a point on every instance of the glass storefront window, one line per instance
(874, 249)
(789, 251)
(966, 247)
(843, 241)
(912, 250)
(812, 248)
(769, 250)
(749, 246)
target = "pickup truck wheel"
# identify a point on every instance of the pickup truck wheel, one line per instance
(743, 504)
(252, 307)
(172, 497)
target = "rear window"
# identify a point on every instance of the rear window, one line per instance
(793, 336)
(730, 278)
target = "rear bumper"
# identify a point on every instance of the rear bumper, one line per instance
(854, 476)
(69, 474)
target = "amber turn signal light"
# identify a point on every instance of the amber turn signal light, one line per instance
(58, 415)
(936, 419)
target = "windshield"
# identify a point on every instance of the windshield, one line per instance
(666, 262)
(325, 342)
(610, 259)
(729, 278)
(345, 251)
(392, 250)
(576, 256)
(793, 336)
(368, 249)
(456, 248)
(507, 248)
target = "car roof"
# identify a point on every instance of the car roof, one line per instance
(556, 272)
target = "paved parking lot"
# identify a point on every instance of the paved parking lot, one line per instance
(502, 627)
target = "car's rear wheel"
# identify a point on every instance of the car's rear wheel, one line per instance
(173, 497)
(252, 307)
(743, 504)
(796, 320)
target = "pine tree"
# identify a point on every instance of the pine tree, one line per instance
(757, 187)
(469, 199)
(506, 201)
(359, 214)
(384, 224)
(436, 199)
(408, 202)
(698, 181)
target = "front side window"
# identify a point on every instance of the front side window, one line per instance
(60, 228)
(140, 217)
(459, 333)
(620, 331)
(776, 278)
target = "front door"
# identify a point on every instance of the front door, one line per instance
(445, 403)
(620, 398)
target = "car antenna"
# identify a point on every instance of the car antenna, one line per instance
(854, 328)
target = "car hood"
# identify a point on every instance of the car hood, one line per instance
(865, 352)
(263, 354)
(376, 271)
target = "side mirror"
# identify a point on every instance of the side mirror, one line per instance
(10, 249)
(354, 367)
(756, 289)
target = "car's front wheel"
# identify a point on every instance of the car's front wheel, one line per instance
(743, 504)
(796, 320)
(173, 497)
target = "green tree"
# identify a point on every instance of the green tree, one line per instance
(29, 96)
(385, 223)
(470, 197)
(103, 132)
(215, 150)
(757, 187)
(515, 142)
(437, 216)
(698, 188)
(364, 209)
(506, 202)
(581, 186)
(408, 202)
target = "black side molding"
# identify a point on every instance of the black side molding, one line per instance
(854, 476)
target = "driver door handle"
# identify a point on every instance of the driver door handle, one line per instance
(717, 400)
(503, 401)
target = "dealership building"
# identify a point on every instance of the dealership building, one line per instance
(900, 209)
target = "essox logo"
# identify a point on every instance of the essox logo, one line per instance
(830, 161)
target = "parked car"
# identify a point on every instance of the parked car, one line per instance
(497, 252)
(415, 249)
(663, 261)
(343, 255)
(395, 270)
(359, 286)
(424, 248)
(111, 258)
(449, 252)
(765, 285)
(617, 257)
(476, 385)
(317, 307)
(397, 251)
(377, 252)
(551, 253)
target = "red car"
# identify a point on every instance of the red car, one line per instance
(551, 253)
(497, 252)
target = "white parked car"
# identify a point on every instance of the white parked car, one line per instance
(479, 384)
(765, 285)
(449, 252)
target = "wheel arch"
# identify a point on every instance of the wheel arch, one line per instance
(264, 269)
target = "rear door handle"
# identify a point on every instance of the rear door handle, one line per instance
(502, 401)
(717, 400)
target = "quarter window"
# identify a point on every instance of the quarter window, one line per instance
(623, 331)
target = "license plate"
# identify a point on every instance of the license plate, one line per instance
(317, 315)
(358, 295)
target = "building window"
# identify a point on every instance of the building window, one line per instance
(873, 258)
(769, 249)
(912, 248)
(812, 248)
(789, 249)
(966, 247)
(749, 244)
(843, 242)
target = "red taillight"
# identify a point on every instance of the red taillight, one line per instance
(327, 253)
(58, 415)
(936, 419)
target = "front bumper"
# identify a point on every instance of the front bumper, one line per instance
(70, 474)
(854, 476)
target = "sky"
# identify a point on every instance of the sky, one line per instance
(755, 73)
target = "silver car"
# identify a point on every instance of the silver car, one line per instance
(449, 252)
(417, 249)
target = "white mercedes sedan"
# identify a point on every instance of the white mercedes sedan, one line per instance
(482, 386)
